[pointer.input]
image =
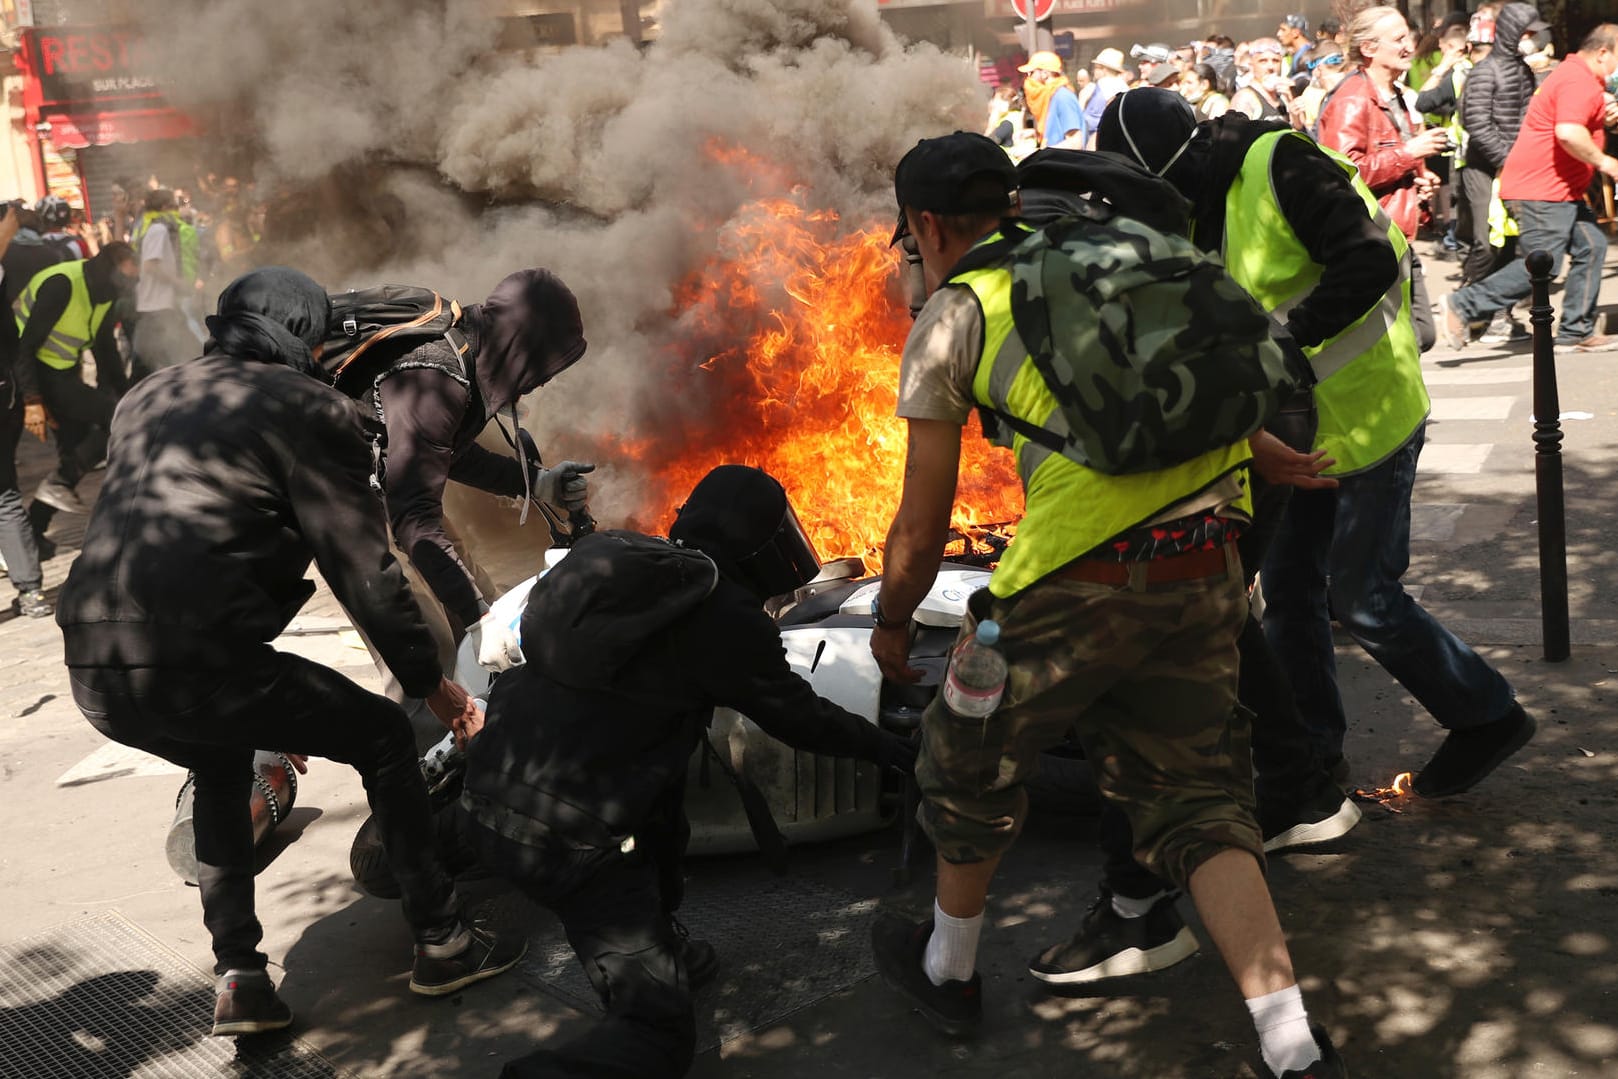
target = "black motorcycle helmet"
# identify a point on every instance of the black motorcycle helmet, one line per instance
(740, 517)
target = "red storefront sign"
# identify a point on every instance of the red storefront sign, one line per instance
(95, 86)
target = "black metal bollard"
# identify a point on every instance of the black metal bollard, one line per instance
(1548, 468)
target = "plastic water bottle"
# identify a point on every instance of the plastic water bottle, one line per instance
(976, 678)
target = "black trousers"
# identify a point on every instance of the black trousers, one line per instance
(211, 722)
(83, 415)
(616, 909)
(1477, 187)
(1286, 760)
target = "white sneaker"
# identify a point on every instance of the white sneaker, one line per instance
(1505, 330)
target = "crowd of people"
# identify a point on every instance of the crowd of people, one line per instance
(127, 288)
(1394, 102)
(1263, 258)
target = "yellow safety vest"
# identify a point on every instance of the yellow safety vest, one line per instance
(1069, 509)
(79, 324)
(1457, 130)
(1369, 392)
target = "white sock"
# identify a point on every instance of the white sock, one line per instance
(952, 953)
(1125, 907)
(1283, 1030)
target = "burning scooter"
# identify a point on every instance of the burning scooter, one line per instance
(769, 795)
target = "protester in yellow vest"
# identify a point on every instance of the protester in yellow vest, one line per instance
(1301, 232)
(1117, 607)
(1134, 927)
(64, 310)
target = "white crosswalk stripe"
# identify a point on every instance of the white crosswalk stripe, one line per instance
(1472, 408)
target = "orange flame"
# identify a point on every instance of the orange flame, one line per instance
(1401, 786)
(788, 345)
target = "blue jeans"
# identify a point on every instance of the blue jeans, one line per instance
(17, 545)
(1559, 228)
(1355, 543)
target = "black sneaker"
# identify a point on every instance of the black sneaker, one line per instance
(1468, 755)
(245, 1003)
(1321, 818)
(484, 955)
(1108, 945)
(33, 604)
(700, 958)
(956, 1007)
(1329, 1066)
(701, 963)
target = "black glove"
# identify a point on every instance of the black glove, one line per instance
(897, 751)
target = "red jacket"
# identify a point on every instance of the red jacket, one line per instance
(1355, 124)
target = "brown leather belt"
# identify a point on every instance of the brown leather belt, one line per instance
(1190, 566)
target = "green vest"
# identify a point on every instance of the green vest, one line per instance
(1069, 509)
(1370, 393)
(185, 239)
(79, 324)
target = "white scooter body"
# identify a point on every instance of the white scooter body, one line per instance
(811, 797)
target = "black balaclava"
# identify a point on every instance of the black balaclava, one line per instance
(274, 315)
(528, 331)
(740, 517)
(1152, 126)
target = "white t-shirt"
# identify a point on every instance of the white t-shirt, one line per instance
(157, 246)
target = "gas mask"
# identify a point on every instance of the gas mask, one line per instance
(915, 275)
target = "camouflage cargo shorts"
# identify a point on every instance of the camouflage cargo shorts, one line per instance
(1147, 680)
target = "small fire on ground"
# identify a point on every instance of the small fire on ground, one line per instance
(1391, 796)
(787, 345)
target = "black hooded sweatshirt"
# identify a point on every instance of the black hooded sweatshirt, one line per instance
(527, 332)
(631, 643)
(225, 477)
(1497, 90)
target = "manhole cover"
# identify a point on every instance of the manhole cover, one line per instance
(97, 998)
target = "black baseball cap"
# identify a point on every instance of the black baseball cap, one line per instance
(1297, 22)
(937, 175)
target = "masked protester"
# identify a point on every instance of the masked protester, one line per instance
(225, 478)
(433, 406)
(575, 787)
(1290, 220)
(63, 310)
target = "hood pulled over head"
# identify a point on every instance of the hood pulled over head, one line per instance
(274, 315)
(528, 331)
(740, 517)
(1510, 25)
(1150, 125)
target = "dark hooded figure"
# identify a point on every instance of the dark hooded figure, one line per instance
(526, 333)
(225, 478)
(575, 787)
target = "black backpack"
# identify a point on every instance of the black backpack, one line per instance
(371, 328)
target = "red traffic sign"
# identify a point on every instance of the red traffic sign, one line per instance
(1042, 9)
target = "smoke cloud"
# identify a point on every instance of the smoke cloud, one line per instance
(621, 169)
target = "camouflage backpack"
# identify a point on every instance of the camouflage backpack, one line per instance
(1154, 354)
